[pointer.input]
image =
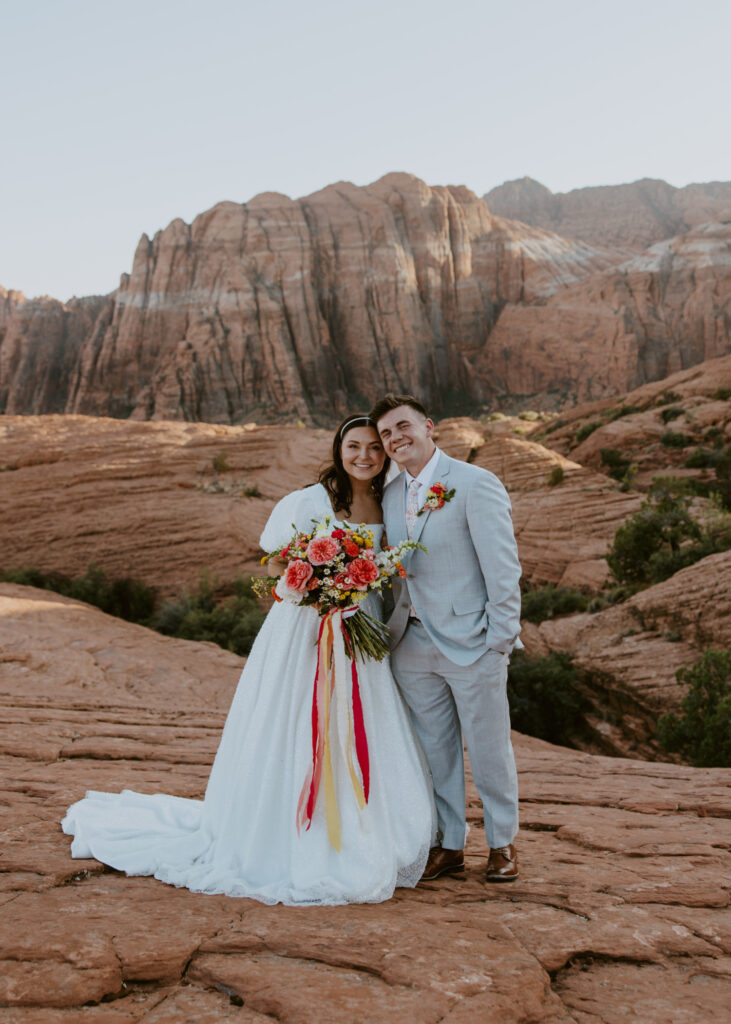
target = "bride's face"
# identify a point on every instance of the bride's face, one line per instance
(362, 453)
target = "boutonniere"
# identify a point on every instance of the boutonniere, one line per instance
(436, 497)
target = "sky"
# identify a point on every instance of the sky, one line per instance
(117, 118)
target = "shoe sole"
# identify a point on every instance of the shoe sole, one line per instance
(453, 869)
(503, 878)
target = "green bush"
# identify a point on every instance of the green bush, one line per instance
(662, 537)
(544, 697)
(548, 602)
(228, 615)
(126, 598)
(671, 413)
(673, 439)
(667, 397)
(232, 620)
(623, 410)
(555, 477)
(722, 395)
(588, 428)
(528, 414)
(702, 731)
(556, 425)
(701, 458)
(616, 462)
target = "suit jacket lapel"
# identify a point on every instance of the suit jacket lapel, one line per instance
(442, 474)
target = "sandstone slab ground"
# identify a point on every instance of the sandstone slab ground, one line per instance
(621, 911)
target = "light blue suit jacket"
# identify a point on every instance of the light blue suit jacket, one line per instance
(466, 589)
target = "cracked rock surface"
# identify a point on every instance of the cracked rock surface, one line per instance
(621, 911)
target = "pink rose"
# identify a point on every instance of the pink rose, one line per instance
(298, 575)
(322, 550)
(362, 571)
(342, 580)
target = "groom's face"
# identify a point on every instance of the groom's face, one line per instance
(407, 437)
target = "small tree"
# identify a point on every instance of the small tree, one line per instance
(702, 731)
(660, 527)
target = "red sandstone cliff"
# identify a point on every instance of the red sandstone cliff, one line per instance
(660, 312)
(631, 216)
(307, 308)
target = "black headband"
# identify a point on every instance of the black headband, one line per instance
(352, 422)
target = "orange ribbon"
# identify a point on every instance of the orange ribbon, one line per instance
(330, 698)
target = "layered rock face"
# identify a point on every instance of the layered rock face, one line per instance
(40, 342)
(632, 216)
(641, 321)
(621, 910)
(143, 499)
(692, 404)
(314, 307)
(310, 308)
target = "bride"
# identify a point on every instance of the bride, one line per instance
(242, 838)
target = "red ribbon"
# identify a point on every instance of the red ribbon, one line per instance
(324, 691)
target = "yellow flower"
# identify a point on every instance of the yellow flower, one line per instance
(264, 560)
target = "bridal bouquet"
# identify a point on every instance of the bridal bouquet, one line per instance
(335, 568)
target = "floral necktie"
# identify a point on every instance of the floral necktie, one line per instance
(412, 506)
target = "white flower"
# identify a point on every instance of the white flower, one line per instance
(286, 593)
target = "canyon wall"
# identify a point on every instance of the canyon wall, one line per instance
(285, 309)
(632, 216)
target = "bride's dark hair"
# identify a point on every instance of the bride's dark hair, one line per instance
(334, 477)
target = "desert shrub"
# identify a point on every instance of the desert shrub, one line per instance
(588, 428)
(229, 615)
(616, 462)
(125, 597)
(555, 477)
(231, 620)
(722, 395)
(528, 414)
(556, 425)
(544, 697)
(623, 410)
(662, 537)
(701, 733)
(220, 463)
(671, 413)
(673, 439)
(548, 602)
(667, 397)
(701, 458)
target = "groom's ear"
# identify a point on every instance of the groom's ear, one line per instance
(429, 424)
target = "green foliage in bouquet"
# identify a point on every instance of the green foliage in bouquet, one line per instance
(701, 733)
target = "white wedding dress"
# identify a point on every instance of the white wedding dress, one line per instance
(241, 839)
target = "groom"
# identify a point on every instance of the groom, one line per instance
(455, 621)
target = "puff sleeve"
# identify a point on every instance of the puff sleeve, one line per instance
(294, 510)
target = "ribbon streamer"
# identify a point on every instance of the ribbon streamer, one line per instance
(330, 699)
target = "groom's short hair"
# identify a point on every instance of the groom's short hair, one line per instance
(392, 401)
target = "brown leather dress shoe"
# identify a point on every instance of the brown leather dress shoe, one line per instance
(442, 862)
(502, 864)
